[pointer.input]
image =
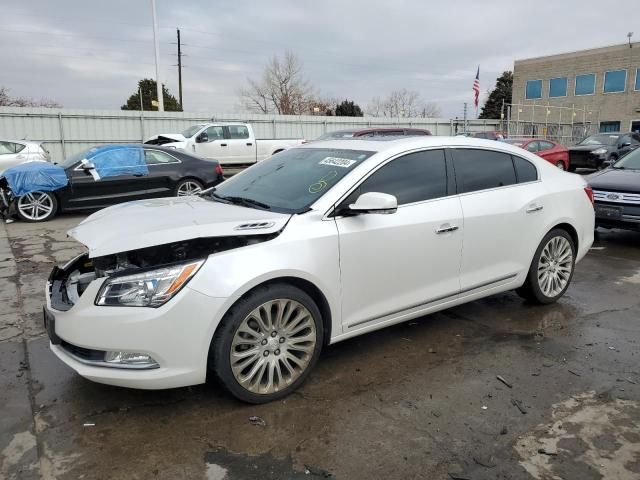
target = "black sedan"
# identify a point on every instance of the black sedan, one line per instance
(168, 172)
(601, 150)
(616, 192)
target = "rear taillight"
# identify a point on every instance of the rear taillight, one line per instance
(219, 169)
(589, 193)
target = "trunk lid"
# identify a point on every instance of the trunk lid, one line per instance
(147, 223)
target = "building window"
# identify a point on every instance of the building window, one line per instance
(585, 84)
(534, 89)
(558, 87)
(615, 81)
(606, 127)
(637, 78)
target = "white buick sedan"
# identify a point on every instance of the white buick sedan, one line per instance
(315, 245)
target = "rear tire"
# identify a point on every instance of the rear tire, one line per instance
(283, 328)
(187, 187)
(551, 269)
(37, 206)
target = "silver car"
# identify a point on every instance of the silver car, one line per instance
(15, 152)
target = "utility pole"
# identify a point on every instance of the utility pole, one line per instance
(179, 70)
(157, 52)
(466, 128)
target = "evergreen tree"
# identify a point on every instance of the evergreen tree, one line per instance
(149, 92)
(348, 109)
(502, 91)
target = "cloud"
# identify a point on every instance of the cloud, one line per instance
(91, 54)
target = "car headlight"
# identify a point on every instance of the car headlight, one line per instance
(599, 151)
(147, 289)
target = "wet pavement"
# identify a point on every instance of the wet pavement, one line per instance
(417, 400)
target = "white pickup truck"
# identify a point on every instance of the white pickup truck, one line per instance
(229, 143)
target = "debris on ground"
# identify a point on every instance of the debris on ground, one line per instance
(504, 430)
(254, 420)
(89, 425)
(542, 451)
(574, 373)
(518, 403)
(487, 462)
(459, 476)
(309, 470)
(435, 413)
(499, 377)
(484, 407)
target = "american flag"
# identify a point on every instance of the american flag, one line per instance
(476, 88)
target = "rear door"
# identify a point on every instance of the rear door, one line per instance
(241, 147)
(408, 259)
(503, 203)
(163, 173)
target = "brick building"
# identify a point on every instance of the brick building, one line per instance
(599, 87)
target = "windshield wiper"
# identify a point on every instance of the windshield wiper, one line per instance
(247, 202)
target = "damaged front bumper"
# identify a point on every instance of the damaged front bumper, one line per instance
(139, 347)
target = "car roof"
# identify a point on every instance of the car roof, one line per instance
(22, 142)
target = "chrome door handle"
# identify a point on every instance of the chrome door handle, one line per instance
(534, 208)
(446, 228)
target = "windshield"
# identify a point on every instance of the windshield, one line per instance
(514, 141)
(602, 139)
(73, 159)
(336, 135)
(191, 131)
(291, 181)
(631, 161)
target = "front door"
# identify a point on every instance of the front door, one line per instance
(405, 260)
(215, 145)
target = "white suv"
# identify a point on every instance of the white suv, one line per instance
(313, 246)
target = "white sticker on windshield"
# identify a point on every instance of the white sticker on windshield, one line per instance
(337, 162)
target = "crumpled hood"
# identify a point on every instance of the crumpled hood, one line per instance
(178, 137)
(146, 223)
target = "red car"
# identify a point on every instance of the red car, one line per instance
(373, 132)
(549, 150)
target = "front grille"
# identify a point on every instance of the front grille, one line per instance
(83, 353)
(616, 197)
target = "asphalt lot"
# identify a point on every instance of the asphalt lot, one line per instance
(418, 400)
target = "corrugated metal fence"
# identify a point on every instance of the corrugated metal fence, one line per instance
(66, 132)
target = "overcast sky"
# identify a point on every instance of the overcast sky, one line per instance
(90, 54)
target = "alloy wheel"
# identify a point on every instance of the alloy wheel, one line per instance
(189, 187)
(555, 266)
(35, 206)
(273, 346)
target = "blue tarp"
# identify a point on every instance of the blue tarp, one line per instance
(115, 160)
(35, 177)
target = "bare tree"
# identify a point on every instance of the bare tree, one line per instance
(282, 88)
(402, 103)
(7, 101)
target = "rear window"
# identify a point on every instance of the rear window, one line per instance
(525, 170)
(482, 169)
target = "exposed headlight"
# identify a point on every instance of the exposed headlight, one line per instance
(599, 151)
(147, 289)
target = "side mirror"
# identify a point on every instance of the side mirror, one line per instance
(625, 144)
(374, 202)
(86, 165)
(202, 138)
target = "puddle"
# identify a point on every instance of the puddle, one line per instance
(224, 465)
(589, 438)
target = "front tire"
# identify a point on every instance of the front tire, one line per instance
(37, 206)
(551, 269)
(267, 343)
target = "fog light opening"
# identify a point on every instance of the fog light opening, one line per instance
(130, 358)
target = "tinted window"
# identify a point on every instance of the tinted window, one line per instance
(412, 178)
(482, 169)
(18, 147)
(534, 89)
(156, 157)
(6, 148)
(525, 170)
(615, 81)
(542, 145)
(585, 84)
(558, 87)
(238, 131)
